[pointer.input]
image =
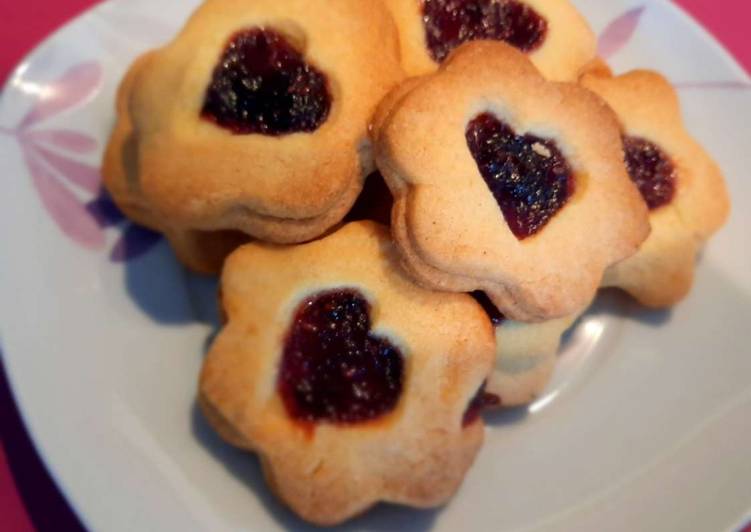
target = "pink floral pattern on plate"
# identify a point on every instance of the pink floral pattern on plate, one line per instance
(619, 32)
(61, 179)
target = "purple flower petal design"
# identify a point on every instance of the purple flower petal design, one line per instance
(76, 85)
(133, 243)
(80, 174)
(104, 210)
(64, 139)
(69, 214)
(619, 32)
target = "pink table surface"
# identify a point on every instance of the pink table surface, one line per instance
(29, 499)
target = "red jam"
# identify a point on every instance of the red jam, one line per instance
(449, 23)
(528, 176)
(374, 203)
(652, 171)
(479, 402)
(263, 85)
(333, 369)
(495, 315)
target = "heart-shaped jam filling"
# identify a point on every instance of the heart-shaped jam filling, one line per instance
(263, 85)
(651, 169)
(495, 315)
(333, 369)
(528, 176)
(479, 402)
(449, 23)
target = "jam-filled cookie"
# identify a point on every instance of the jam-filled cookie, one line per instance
(517, 189)
(526, 355)
(554, 35)
(255, 117)
(351, 383)
(681, 184)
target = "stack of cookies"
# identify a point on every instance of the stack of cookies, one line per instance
(409, 202)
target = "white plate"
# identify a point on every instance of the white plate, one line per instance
(647, 426)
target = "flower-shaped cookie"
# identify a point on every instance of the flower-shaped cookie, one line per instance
(553, 33)
(526, 356)
(254, 119)
(351, 383)
(517, 188)
(679, 181)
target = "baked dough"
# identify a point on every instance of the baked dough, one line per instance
(447, 224)
(568, 45)
(416, 454)
(662, 272)
(178, 173)
(526, 357)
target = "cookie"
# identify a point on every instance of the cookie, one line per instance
(253, 120)
(352, 384)
(554, 35)
(517, 189)
(679, 181)
(526, 356)
(526, 359)
(598, 67)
